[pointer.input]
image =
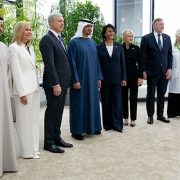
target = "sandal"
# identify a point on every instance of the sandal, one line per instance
(133, 124)
(126, 123)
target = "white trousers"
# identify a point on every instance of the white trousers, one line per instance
(27, 124)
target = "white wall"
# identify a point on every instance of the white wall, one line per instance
(169, 11)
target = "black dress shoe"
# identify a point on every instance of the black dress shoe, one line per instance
(62, 143)
(150, 120)
(78, 137)
(53, 148)
(163, 119)
(118, 130)
(97, 132)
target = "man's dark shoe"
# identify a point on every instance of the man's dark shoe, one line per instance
(53, 148)
(163, 119)
(62, 143)
(97, 132)
(150, 120)
(78, 137)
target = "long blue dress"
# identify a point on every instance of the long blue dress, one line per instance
(84, 102)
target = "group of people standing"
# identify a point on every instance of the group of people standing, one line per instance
(109, 71)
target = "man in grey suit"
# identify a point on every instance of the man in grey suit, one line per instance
(156, 50)
(56, 80)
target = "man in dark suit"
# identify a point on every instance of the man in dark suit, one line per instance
(56, 80)
(156, 52)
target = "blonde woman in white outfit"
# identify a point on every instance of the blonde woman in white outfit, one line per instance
(26, 90)
(173, 109)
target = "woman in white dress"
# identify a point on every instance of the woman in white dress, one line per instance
(7, 148)
(25, 90)
(173, 109)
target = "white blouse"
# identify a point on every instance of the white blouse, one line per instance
(110, 50)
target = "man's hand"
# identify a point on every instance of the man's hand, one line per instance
(77, 85)
(57, 90)
(24, 100)
(168, 74)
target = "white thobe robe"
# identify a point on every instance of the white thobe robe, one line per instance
(7, 148)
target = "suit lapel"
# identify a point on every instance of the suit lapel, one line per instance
(164, 41)
(106, 51)
(154, 40)
(30, 57)
(58, 42)
(114, 50)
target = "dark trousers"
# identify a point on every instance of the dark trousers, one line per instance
(112, 106)
(173, 109)
(153, 82)
(130, 92)
(53, 115)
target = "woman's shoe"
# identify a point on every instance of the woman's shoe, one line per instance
(37, 153)
(126, 123)
(118, 130)
(133, 124)
(36, 156)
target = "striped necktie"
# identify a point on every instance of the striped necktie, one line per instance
(62, 42)
(159, 42)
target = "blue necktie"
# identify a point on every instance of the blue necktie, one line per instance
(159, 42)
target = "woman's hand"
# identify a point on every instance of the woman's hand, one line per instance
(139, 81)
(99, 83)
(144, 75)
(24, 100)
(123, 83)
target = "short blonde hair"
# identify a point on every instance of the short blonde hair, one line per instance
(19, 30)
(125, 32)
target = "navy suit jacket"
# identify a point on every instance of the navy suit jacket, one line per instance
(113, 68)
(156, 62)
(56, 65)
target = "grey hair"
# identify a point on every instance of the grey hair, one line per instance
(52, 16)
(156, 20)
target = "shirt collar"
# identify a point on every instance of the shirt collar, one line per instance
(156, 34)
(55, 33)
